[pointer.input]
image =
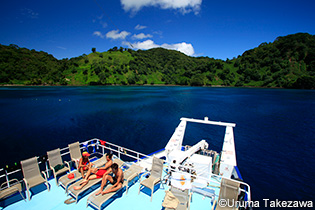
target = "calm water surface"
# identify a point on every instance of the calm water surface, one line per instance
(274, 135)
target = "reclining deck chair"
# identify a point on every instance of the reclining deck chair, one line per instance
(181, 199)
(54, 158)
(155, 176)
(14, 187)
(75, 193)
(98, 200)
(75, 152)
(64, 181)
(228, 191)
(32, 175)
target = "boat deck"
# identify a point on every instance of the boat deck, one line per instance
(54, 199)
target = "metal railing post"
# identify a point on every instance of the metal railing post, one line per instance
(47, 173)
(7, 178)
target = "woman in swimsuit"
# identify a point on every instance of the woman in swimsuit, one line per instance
(84, 163)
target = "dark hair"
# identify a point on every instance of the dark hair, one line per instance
(110, 155)
(114, 166)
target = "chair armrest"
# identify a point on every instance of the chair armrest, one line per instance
(4, 183)
(26, 183)
(75, 161)
(53, 169)
(144, 175)
(156, 180)
(45, 177)
(68, 165)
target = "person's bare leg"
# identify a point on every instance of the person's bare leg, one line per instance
(82, 172)
(114, 189)
(104, 181)
(84, 182)
(87, 175)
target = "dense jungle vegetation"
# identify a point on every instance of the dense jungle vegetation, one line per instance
(288, 62)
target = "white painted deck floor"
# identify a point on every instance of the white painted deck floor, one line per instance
(42, 199)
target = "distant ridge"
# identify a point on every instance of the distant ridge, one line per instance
(288, 62)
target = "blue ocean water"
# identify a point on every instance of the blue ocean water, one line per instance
(274, 135)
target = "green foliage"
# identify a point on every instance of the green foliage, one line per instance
(288, 62)
(285, 63)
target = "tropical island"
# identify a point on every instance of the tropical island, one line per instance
(288, 62)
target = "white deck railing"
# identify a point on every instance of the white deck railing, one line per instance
(137, 156)
(116, 149)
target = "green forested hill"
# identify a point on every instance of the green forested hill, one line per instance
(288, 62)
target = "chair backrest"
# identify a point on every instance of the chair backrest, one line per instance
(100, 162)
(157, 167)
(75, 152)
(119, 162)
(136, 168)
(132, 171)
(30, 168)
(54, 157)
(229, 189)
(181, 195)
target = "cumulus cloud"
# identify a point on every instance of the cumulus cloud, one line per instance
(181, 47)
(185, 6)
(141, 36)
(99, 34)
(114, 34)
(140, 27)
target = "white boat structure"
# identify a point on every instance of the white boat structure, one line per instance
(196, 176)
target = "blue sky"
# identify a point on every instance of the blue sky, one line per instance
(218, 29)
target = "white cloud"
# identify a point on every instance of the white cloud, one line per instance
(141, 36)
(99, 19)
(60, 47)
(115, 35)
(29, 13)
(181, 47)
(99, 34)
(140, 27)
(104, 24)
(185, 6)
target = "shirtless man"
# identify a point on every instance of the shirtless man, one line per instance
(116, 180)
(96, 173)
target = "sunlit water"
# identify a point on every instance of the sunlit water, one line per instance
(274, 135)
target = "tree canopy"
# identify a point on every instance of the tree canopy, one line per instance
(288, 62)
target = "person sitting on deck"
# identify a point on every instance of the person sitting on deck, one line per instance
(84, 163)
(117, 180)
(96, 173)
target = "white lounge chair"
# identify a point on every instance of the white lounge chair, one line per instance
(155, 175)
(54, 158)
(98, 200)
(32, 175)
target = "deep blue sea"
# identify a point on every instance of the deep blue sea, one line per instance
(274, 135)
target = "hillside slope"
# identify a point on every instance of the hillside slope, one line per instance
(288, 62)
